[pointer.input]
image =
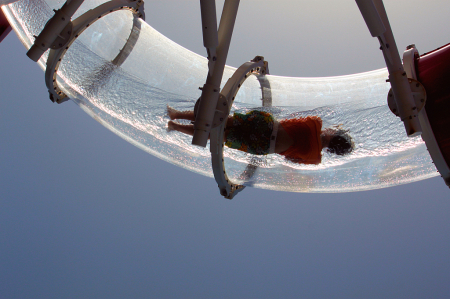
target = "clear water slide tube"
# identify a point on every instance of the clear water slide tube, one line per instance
(131, 101)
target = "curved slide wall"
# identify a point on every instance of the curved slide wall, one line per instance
(131, 100)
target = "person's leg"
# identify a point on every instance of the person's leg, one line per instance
(176, 114)
(188, 115)
(186, 129)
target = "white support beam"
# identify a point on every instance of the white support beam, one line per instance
(211, 89)
(377, 21)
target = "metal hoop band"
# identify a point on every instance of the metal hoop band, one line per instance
(79, 25)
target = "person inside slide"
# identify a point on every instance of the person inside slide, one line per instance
(300, 140)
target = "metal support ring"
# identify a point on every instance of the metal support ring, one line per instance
(79, 25)
(257, 67)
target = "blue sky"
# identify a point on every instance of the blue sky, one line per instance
(84, 214)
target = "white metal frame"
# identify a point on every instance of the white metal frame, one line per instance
(57, 32)
(217, 44)
(256, 67)
(375, 16)
(70, 33)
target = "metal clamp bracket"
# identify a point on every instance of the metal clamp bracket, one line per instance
(78, 26)
(418, 92)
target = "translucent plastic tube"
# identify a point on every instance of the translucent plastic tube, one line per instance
(3, 2)
(131, 101)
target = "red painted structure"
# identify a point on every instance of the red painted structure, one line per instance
(433, 71)
(5, 28)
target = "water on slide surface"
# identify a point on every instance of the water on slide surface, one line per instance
(131, 100)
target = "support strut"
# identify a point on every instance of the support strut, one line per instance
(375, 16)
(211, 89)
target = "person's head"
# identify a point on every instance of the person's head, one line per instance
(337, 141)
